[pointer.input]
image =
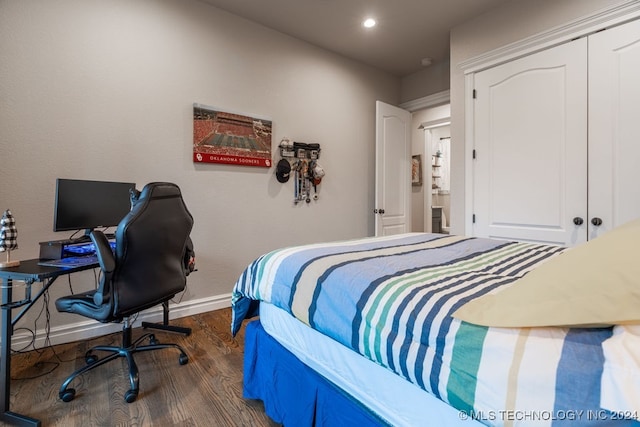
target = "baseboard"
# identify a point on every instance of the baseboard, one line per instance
(86, 329)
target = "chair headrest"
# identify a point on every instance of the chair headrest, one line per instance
(154, 190)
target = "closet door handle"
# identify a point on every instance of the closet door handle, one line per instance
(578, 221)
(596, 221)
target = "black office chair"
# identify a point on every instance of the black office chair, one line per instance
(153, 256)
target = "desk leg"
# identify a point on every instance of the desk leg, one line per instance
(5, 364)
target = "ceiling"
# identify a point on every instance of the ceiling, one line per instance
(407, 30)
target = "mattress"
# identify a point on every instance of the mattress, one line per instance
(390, 299)
(392, 398)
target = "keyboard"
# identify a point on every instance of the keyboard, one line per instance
(70, 262)
(81, 250)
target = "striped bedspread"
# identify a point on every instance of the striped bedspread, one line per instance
(391, 299)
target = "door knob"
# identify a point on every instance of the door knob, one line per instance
(596, 221)
(381, 211)
(578, 221)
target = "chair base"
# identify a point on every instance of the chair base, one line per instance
(165, 326)
(127, 350)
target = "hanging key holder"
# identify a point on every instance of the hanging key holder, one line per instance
(305, 169)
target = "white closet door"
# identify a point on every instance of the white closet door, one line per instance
(614, 127)
(530, 171)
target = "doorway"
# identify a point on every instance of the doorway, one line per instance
(427, 114)
(437, 191)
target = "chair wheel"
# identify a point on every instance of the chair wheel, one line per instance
(130, 396)
(68, 395)
(90, 359)
(184, 359)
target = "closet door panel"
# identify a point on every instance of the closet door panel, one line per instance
(530, 170)
(614, 127)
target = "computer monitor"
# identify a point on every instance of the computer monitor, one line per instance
(82, 204)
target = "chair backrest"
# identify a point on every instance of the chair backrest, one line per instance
(151, 242)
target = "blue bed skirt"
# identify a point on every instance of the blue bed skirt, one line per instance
(293, 394)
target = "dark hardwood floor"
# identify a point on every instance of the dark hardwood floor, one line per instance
(205, 392)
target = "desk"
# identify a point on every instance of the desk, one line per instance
(30, 272)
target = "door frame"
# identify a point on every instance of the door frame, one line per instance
(438, 99)
(427, 173)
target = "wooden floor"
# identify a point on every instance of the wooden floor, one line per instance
(205, 392)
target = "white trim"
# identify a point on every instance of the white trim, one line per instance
(468, 155)
(86, 329)
(434, 100)
(435, 123)
(427, 217)
(608, 17)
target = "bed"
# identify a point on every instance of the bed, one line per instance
(362, 332)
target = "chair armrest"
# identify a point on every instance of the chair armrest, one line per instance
(103, 250)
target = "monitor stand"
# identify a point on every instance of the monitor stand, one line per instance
(87, 235)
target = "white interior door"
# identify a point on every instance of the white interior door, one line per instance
(614, 127)
(393, 170)
(530, 167)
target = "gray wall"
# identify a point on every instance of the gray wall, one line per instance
(103, 89)
(429, 80)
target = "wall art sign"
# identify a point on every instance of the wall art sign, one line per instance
(226, 137)
(416, 170)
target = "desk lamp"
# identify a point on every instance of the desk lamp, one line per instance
(8, 238)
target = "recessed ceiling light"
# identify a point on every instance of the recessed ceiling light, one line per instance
(369, 23)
